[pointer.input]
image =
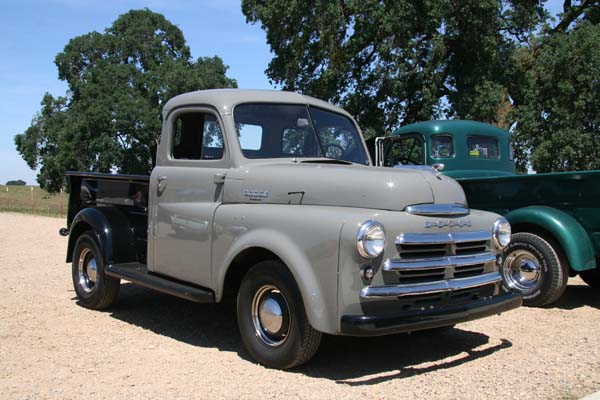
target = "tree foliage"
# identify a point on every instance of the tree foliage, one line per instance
(397, 62)
(558, 117)
(18, 182)
(110, 118)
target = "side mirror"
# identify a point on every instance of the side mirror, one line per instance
(302, 123)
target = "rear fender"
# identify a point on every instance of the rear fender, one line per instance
(112, 230)
(572, 237)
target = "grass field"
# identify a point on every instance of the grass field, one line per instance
(32, 200)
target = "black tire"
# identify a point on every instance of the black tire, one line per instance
(591, 277)
(552, 265)
(97, 292)
(295, 341)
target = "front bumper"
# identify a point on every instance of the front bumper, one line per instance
(367, 325)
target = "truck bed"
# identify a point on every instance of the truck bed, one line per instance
(575, 193)
(125, 196)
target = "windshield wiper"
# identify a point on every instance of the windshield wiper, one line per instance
(328, 160)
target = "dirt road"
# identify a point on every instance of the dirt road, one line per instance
(155, 346)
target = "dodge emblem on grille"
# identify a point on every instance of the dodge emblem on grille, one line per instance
(449, 223)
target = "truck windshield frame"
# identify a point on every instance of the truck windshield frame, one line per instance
(282, 130)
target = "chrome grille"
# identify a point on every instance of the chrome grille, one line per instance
(434, 257)
(474, 247)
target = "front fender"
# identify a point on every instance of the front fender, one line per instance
(569, 233)
(316, 304)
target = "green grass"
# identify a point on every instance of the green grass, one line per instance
(32, 200)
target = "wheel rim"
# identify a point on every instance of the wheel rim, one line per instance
(87, 270)
(522, 271)
(270, 315)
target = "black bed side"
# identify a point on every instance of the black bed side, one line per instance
(115, 206)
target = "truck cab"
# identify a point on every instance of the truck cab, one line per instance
(270, 198)
(555, 216)
(468, 149)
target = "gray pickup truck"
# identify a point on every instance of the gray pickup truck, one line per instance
(270, 197)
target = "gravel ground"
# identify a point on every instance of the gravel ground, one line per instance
(155, 346)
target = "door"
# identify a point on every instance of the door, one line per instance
(187, 188)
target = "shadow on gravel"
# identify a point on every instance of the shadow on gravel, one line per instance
(576, 296)
(204, 325)
(346, 360)
(368, 361)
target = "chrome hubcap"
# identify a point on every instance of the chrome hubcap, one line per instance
(87, 270)
(522, 271)
(270, 315)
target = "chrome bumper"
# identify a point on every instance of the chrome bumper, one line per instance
(417, 289)
(374, 325)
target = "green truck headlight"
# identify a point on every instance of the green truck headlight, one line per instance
(370, 239)
(502, 232)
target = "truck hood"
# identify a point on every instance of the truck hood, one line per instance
(326, 184)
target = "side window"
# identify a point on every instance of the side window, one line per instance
(480, 146)
(406, 151)
(442, 146)
(511, 150)
(197, 136)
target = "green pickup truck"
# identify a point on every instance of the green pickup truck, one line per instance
(555, 217)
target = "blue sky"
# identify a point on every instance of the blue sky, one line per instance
(33, 32)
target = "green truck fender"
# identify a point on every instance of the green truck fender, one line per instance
(565, 229)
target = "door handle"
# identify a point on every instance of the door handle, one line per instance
(219, 178)
(161, 184)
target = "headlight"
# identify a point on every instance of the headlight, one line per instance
(501, 232)
(370, 239)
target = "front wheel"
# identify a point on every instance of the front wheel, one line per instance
(534, 268)
(272, 319)
(591, 277)
(94, 289)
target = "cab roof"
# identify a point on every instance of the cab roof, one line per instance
(454, 126)
(224, 100)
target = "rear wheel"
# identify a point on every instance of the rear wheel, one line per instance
(591, 277)
(272, 319)
(94, 289)
(535, 268)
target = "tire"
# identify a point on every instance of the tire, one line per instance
(591, 277)
(536, 268)
(94, 289)
(271, 318)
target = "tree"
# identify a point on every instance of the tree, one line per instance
(392, 63)
(18, 182)
(558, 117)
(119, 80)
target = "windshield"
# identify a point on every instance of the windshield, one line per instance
(290, 130)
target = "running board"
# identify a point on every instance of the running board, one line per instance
(138, 274)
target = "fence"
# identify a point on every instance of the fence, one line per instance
(32, 200)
